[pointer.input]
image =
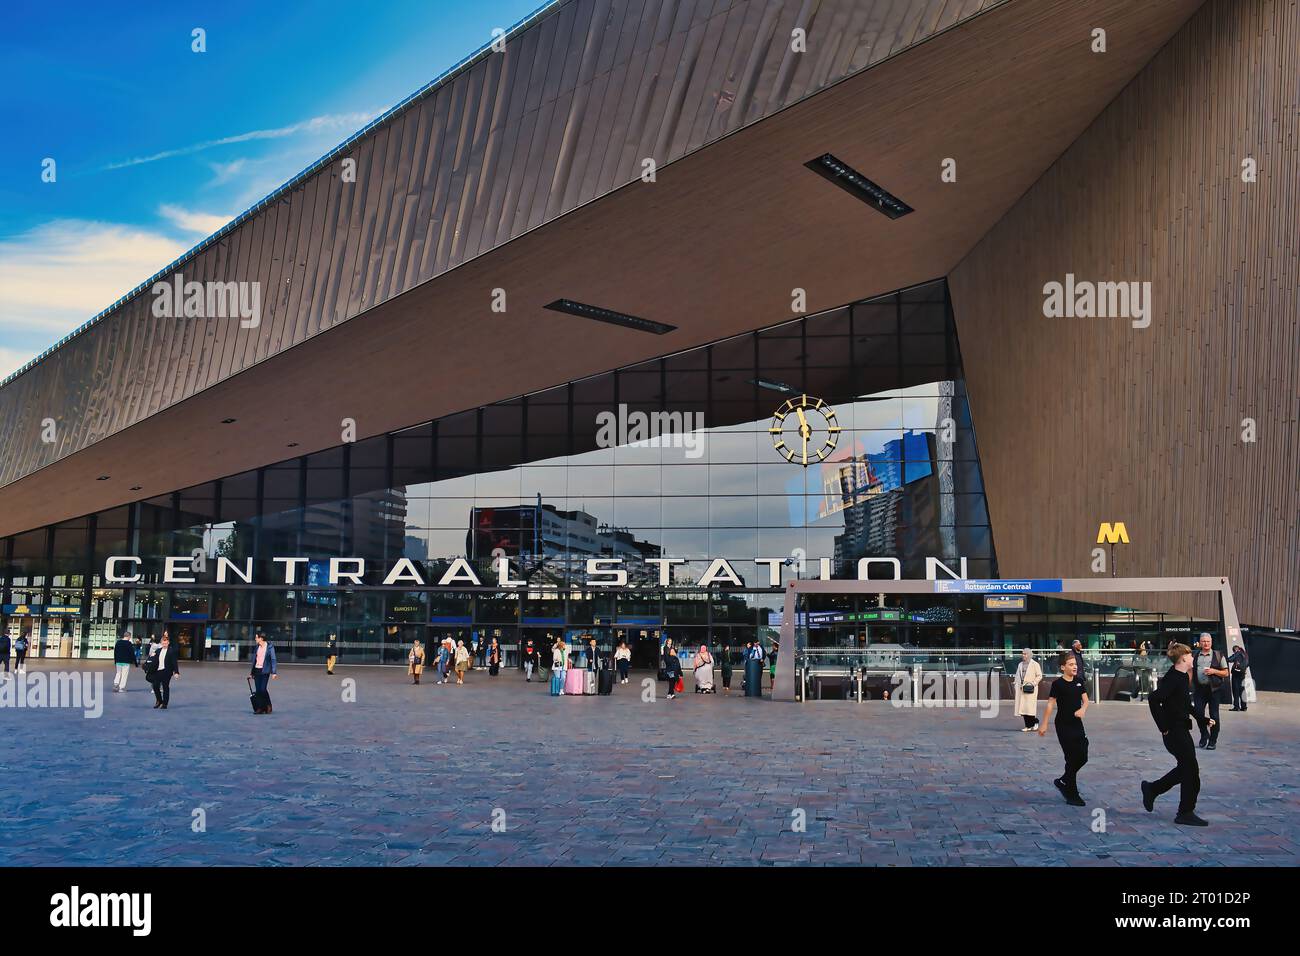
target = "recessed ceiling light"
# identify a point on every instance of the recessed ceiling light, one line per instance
(293, 444)
(102, 478)
(135, 487)
(610, 316)
(852, 181)
(227, 421)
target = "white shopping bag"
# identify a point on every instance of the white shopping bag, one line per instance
(1248, 688)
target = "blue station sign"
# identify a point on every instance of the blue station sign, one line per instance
(1010, 586)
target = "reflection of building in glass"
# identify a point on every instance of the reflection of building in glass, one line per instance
(890, 521)
(547, 541)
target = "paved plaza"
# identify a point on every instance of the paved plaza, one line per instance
(417, 775)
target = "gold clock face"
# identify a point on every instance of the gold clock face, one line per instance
(805, 430)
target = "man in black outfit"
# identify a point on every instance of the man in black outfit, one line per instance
(1238, 661)
(166, 667)
(1071, 700)
(1171, 707)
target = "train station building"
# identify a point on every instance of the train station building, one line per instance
(618, 327)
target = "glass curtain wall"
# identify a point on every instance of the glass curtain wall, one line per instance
(693, 457)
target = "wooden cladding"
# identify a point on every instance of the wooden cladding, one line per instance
(1085, 420)
(565, 115)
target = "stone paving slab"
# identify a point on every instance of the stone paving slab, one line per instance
(412, 776)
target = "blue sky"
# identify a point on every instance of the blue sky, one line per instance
(157, 146)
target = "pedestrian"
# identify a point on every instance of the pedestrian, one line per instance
(415, 661)
(445, 650)
(480, 651)
(462, 661)
(703, 664)
(1211, 672)
(724, 658)
(263, 669)
(622, 660)
(123, 659)
(5, 647)
(530, 661)
(1029, 674)
(160, 668)
(494, 658)
(1076, 651)
(559, 658)
(771, 662)
(20, 652)
(1239, 662)
(1070, 698)
(671, 668)
(1171, 709)
(592, 655)
(139, 650)
(331, 653)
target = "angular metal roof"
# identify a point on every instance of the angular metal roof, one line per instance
(503, 143)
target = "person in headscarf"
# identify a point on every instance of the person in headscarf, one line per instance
(724, 657)
(703, 671)
(1029, 674)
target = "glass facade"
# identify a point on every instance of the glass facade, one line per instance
(686, 473)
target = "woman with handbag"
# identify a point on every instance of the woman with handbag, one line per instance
(1028, 676)
(462, 661)
(494, 658)
(415, 661)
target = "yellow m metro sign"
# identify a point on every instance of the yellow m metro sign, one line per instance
(1112, 533)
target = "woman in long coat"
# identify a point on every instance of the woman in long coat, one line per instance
(1028, 673)
(415, 661)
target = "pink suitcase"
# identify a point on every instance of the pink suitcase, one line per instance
(574, 681)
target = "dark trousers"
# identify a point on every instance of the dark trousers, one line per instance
(1203, 695)
(162, 687)
(726, 680)
(1238, 680)
(260, 679)
(1187, 774)
(622, 668)
(1074, 745)
(672, 683)
(1030, 720)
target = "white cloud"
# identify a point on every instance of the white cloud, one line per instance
(56, 276)
(223, 173)
(317, 124)
(205, 224)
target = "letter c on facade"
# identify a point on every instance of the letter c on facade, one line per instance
(110, 575)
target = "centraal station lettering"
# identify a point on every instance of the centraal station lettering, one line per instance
(600, 572)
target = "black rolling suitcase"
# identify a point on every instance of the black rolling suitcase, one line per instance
(260, 699)
(606, 682)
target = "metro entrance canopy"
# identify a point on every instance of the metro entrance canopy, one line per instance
(785, 663)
